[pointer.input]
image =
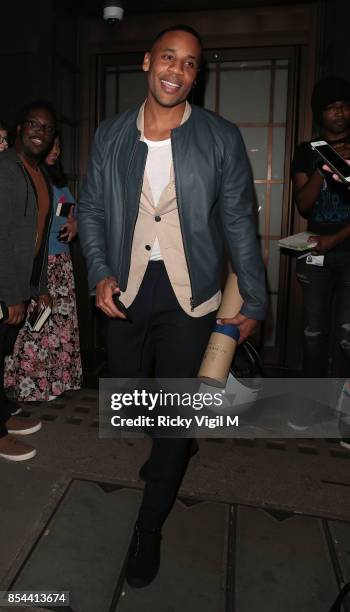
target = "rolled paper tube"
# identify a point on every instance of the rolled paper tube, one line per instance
(217, 360)
(231, 301)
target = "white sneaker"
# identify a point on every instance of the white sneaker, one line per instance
(15, 450)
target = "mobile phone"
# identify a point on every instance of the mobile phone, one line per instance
(63, 209)
(332, 159)
(62, 235)
(120, 306)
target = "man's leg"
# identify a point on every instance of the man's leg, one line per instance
(4, 409)
(164, 342)
(12, 448)
(341, 364)
(180, 342)
(317, 285)
(341, 356)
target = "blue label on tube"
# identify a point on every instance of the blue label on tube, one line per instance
(228, 330)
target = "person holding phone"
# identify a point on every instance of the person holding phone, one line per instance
(168, 187)
(325, 203)
(46, 363)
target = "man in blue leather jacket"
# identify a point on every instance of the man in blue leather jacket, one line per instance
(168, 195)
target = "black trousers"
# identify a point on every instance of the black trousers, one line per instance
(320, 284)
(8, 335)
(165, 342)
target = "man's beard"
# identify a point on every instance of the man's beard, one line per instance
(35, 156)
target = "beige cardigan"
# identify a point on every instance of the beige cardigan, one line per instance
(162, 221)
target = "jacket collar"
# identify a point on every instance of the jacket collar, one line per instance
(141, 117)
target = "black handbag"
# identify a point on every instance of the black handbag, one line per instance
(247, 362)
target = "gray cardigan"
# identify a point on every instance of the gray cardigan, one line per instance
(21, 275)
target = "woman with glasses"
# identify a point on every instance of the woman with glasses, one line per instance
(3, 137)
(47, 363)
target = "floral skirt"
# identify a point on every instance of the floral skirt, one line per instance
(47, 363)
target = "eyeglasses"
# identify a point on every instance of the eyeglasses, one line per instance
(36, 126)
(3, 139)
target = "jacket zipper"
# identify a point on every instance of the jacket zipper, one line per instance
(192, 299)
(139, 196)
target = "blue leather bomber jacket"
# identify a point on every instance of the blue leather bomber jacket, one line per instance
(214, 197)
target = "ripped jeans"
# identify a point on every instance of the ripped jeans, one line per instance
(320, 285)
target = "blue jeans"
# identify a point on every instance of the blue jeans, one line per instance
(320, 285)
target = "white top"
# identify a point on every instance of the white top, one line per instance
(158, 167)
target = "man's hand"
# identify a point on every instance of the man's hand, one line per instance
(246, 326)
(104, 291)
(16, 314)
(323, 243)
(45, 299)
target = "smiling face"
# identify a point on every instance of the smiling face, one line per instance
(34, 136)
(172, 67)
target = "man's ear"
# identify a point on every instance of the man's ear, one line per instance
(146, 62)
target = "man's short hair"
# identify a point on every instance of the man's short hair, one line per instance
(25, 110)
(179, 28)
(3, 125)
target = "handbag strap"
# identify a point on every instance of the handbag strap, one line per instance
(336, 607)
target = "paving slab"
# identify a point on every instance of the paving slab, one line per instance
(340, 547)
(84, 546)
(28, 498)
(282, 563)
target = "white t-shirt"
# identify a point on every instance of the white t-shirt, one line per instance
(158, 167)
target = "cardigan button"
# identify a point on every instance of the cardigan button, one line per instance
(157, 218)
(148, 247)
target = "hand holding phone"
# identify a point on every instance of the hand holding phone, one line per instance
(330, 156)
(63, 235)
(120, 306)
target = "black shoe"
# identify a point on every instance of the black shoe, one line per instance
(345, 443)
(13, 408)
(144, 557)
